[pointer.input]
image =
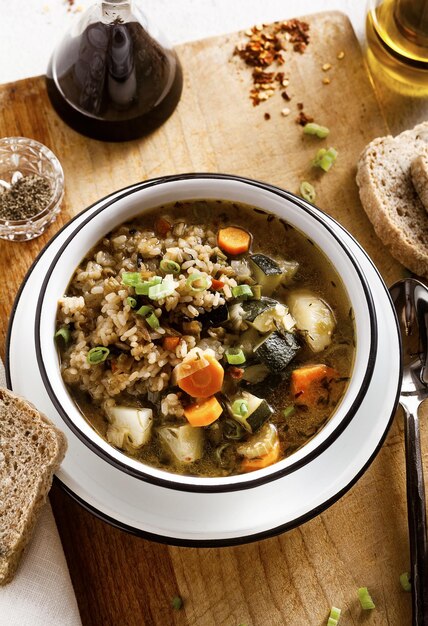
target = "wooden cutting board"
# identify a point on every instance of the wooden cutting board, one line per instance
(362, 539)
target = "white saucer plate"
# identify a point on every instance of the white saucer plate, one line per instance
(208, 519)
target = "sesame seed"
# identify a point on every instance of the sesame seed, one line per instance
(326, 67)
(340, 55)
(285, 112)
(326, 81)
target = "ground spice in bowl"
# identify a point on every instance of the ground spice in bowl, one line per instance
(24, 198)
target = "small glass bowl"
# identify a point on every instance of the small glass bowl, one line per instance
(28, 157)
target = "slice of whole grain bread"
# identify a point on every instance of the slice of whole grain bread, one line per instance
(390, 199)
(419, 172)
(31, 450)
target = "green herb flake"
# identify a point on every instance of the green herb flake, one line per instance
(177, 603)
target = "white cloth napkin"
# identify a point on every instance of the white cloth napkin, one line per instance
(41, 594)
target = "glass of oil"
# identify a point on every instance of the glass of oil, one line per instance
(397, 38)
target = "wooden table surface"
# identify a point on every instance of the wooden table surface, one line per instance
(122, 580)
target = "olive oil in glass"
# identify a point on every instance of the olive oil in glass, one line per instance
(397, 37)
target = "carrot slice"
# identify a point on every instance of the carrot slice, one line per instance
(162, 226)
(170, 343)
(216, 284)
(250, 465)
(233, 240)
(310, 384)
(205, 382)
(203, 413)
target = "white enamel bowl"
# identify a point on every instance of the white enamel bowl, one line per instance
(129, 203)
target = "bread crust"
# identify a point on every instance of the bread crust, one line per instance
(390, 200)
(31, 450)
(419, 173)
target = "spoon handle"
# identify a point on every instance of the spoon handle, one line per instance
(416, 519)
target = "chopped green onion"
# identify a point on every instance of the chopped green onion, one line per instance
(197, 283)
(257, 292)
(307, 191)
(332, 621)
(325, 158)
(148, 313)
(365, 599)
(289, 410)
(240, 407)
(142, 289)
(235, 356)
(242, 291)
(131, 279)
(169, 267)
(63, 333)
(97, 355)
(157, 292)
(315, 129)
(131, 301)
(177, 603)
(146, 309)
(152, 321)
(405, 581)
(335, 613)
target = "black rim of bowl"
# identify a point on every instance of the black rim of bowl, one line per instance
(319, 216)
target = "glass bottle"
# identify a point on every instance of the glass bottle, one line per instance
(113, 77)
(397, 37)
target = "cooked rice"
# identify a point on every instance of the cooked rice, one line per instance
(97, 306)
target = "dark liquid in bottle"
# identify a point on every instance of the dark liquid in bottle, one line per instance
(114, 82)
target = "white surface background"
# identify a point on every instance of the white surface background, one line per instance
(30, 29)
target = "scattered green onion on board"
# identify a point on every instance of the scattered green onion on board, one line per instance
(315, 129)
(131, 301)
(307, 191)
(197, 283)
(97, 355)
(64, 334)
(365, 599)
(240, 407)
(242, 291)
(169, 267)
(325, 158)
(333, 618)
(405, 581)
(177, 603)
(235, 356)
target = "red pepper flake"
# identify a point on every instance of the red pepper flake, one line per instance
(265, 46)
(267, 116)
(300, 106)
(285, 95)
(303, 119)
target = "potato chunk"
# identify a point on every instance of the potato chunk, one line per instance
(313, 317)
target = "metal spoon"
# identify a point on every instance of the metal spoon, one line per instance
(410, 299)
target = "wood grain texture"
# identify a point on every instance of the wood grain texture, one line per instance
(121, 580)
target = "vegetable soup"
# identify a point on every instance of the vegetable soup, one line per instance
(206, 338)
